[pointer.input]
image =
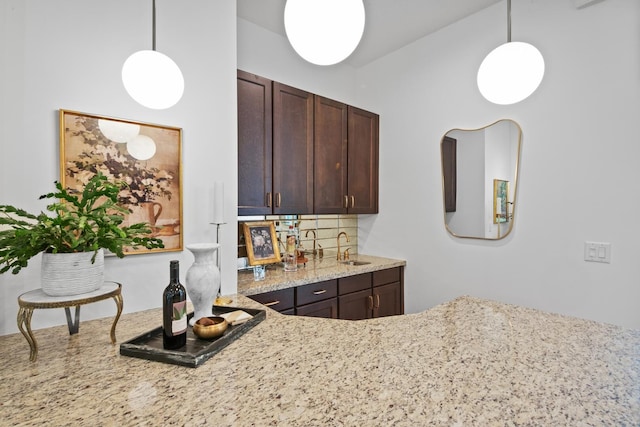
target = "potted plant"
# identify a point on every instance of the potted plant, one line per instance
(73, 240)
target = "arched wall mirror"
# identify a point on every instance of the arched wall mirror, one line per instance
(480, 179)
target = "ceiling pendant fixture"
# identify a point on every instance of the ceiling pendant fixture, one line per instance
(512, 71)
(324, 32)
(152, 78)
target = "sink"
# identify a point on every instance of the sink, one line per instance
(355, 262)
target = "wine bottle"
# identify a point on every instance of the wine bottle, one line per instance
(174, 311)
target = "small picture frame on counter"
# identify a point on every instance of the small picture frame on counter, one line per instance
(262, 242)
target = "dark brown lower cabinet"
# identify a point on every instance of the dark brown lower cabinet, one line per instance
(281, 300)
(327, 308)
(315, 300)
(369, 295)
(362, 296)
(356, 305)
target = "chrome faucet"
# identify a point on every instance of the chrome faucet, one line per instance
(314, 240)
(339, 257)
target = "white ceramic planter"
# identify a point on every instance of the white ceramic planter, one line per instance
(72, 274)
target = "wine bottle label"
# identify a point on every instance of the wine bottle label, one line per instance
(179, 318)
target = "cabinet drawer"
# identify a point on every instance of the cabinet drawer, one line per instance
(316, 292)
(354, 283)
(279, 300)
(382, 277)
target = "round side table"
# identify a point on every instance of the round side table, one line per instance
(36, 298)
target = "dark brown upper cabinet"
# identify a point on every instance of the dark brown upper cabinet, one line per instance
(362, 185)
(292, 150)
(330, 156)
(255, 147)
(346, 158)
(300, 153)
(275, 147)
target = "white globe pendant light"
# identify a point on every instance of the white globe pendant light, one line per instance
(512, 71)
(152, 78)
(324, 32)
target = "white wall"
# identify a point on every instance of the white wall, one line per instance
(270, 55)
(68, 54)
(579, 170)
(579, 175)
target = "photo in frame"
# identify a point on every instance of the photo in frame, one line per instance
(262, 242)
(500, 201)
(145, 157)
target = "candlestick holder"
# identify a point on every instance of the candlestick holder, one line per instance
(218, 224)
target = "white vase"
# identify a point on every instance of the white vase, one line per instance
(203, 279)
(71, 273)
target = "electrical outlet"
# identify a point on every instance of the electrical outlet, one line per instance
(597, 252)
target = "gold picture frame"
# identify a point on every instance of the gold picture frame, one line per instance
(145, 157)
(262, 242)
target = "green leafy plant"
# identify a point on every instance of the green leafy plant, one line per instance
(82, 223)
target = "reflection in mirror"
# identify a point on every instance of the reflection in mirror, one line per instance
(480, 179)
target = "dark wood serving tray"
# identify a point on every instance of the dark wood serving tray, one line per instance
(196, 351)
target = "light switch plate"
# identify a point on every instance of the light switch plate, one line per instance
(597, 252)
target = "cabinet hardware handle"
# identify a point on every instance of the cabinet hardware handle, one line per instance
(320, 292)
(377, 301)
(269, 304)
(269, 199)
(346, 201)
(278, 200)
(353, 202)
(370, 298)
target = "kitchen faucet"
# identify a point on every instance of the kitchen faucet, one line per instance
(346, 253)
(314, 240)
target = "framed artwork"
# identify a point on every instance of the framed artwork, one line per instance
(144, 157)
(500, 201)
(262, 243)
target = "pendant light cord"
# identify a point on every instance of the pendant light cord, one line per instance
(153, 25)
(508, 21)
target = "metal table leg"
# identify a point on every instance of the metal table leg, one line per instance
(74, 325)
(118, 299)
(24, 324)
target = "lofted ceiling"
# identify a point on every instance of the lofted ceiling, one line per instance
(390, 24)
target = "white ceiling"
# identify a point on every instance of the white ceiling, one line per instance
(390, 24)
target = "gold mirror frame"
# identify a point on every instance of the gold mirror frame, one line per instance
(488, 207)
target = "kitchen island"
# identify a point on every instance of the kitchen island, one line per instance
(468, 362)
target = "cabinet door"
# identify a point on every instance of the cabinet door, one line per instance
(254, 144)
(363, 161)
(292, 150)
(327, 308)
(356, 305)
(330, 156)
(387, 300)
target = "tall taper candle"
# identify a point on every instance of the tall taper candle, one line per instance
(218, 202)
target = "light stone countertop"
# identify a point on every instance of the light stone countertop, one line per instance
(316, 270)
(469, 362)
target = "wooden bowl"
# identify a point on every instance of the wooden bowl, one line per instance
(210, 327)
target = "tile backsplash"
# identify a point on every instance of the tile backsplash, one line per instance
(322, 228)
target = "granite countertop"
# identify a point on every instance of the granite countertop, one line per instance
(315, 270)
(468, 362)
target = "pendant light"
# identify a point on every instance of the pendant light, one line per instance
(324, 32)
(152, 78)
(512, 71)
